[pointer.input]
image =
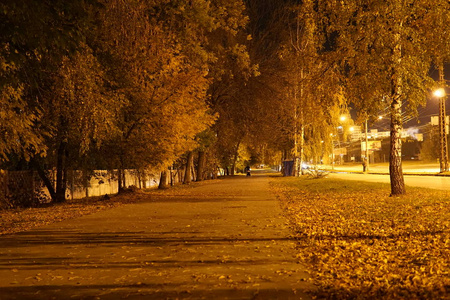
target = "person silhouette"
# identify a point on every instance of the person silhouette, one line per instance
(247, 170)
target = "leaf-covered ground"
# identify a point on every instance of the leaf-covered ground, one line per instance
(360, 243)
(23, 219)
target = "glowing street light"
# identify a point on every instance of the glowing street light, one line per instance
(341, 134)
(439, 93)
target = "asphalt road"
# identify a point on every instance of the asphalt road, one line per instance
(425, 181)
(409, 167)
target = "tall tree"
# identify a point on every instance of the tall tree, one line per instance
(127, 78)
(77, 114)
(312, 85)
(383, 52)
(229, 71)
(161, 82)
(190, 45)
(51, 72)
(35, 36)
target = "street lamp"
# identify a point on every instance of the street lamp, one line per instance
(332, 151)
(439, 93)
(367, 159)
(443, 157)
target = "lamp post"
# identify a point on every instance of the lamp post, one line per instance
(367, 150)
(342, 118)
(296, 166)
(443, 155)
(332, 152)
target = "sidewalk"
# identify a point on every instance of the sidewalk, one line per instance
(223, 239)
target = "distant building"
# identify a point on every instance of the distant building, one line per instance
(378, 142)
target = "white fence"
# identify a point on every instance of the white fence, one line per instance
(25, 188)
(103, 182)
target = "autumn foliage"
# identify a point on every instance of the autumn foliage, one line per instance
(122, 84)
(111, 84)
(359, 243)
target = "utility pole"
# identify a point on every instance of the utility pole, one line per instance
(367, 150)
(332, 152)
(443, 158)
(295, 166)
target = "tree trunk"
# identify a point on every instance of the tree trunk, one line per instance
(193, 172)
(235, 157)
(119, 180)
(47, 182)
(86, 182)
(163, 180)
(61, 181)
(201, 165)
(172, 175)
(121, 171)
(187, 173)
(295, 167)
(302, 146)
(215, 171)
(122, 180)
(395, 154)
(233, 166)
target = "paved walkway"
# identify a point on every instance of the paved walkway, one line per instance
(224, 239)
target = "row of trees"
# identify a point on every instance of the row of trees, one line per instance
(90, 84)
(146, 83)
(367, 53)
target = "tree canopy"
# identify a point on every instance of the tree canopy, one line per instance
(138, 84)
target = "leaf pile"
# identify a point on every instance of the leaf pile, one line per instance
(22, 219)
(360, 243)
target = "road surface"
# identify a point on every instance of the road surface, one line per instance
(425, 181)
(409, 167)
